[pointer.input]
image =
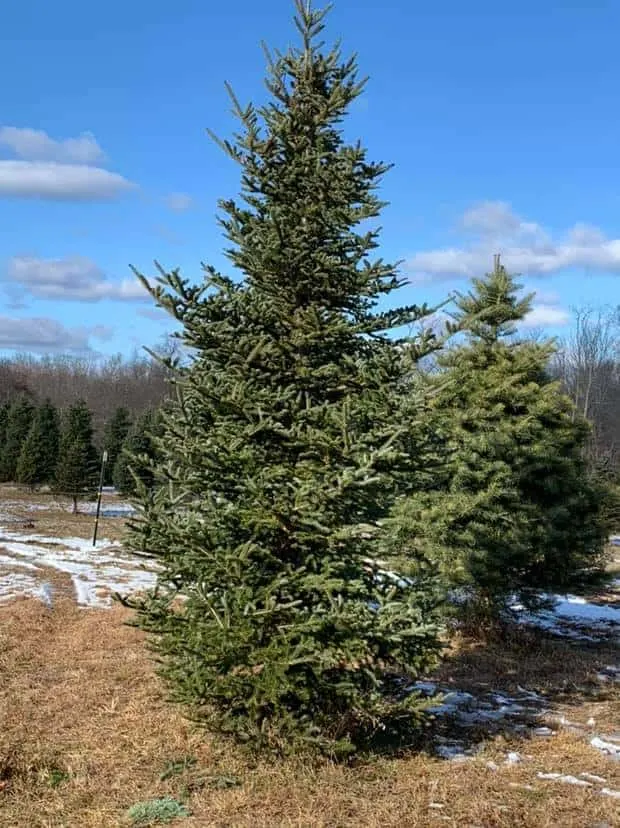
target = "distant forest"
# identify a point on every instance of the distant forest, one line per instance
(139, 383)
(587, 363)
(588, 366)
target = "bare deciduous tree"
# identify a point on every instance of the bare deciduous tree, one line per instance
(588, 364)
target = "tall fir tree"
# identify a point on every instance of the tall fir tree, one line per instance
(39, 452)
(283, 453)
(77, 468)
(114, 436)
(134, 463)
(19, 421)
(514, 510)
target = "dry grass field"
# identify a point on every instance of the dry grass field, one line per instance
(85, 731)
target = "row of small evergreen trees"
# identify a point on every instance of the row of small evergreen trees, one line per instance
(40, 446)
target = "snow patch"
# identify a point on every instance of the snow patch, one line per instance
(610, 673)
(606, 746)
(592, 777)
(79, 544)
(13, 583)
(610, 792)
(572, 617)
(96, 571)
(565, 778)
(468, 711)
(14, 562)
(108, 510)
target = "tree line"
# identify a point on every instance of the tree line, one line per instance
(587, 363)
(137, 383)
(43, 447)
(588, 366)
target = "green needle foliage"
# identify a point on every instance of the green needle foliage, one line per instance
(286, 448)
(515, 510)
(4, 420)
(18, 423)
(133, 466)
(114, 436)
(39, 453)
(77, 469)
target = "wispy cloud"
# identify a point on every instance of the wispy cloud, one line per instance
(546, 316)
(179, 202)
(74, 278)
(45, 335)
(526, 247)
(36, 145)
(547, 311)
(68, 169)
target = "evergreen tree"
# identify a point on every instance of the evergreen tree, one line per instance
(18, 425)
(50, 426)
(39, 452)
(114, 436)
(4, 419)
(514, 510)
(77, 469)
(138, 455)
(283, 451)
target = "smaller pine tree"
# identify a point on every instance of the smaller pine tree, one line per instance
(4, 419)
(138, 452)
(50, 427)
(19, 421)
(114, 436)
(29, 462)
(514, 510)
(39, 453)
(76, 472)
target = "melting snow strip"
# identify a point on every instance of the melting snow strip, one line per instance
(571, 617)
(95, 572)
(566, 778)
(610, 748)
(592, 777)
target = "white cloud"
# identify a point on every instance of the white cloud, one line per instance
(74, 278)
(525, 246)
(544, 316)
(69, 169)
(43, 335)
(179, 202)
(50, 180)
(36, 145)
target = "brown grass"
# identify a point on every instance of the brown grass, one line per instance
(56, 520)
(559, 670)
(85, 733)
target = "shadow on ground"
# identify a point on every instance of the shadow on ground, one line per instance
(517, 683)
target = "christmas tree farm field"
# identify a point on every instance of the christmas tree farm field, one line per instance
(524, 735)
(86, 734)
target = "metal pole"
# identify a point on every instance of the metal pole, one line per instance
(104, 460)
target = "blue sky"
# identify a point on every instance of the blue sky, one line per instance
(501, 120)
